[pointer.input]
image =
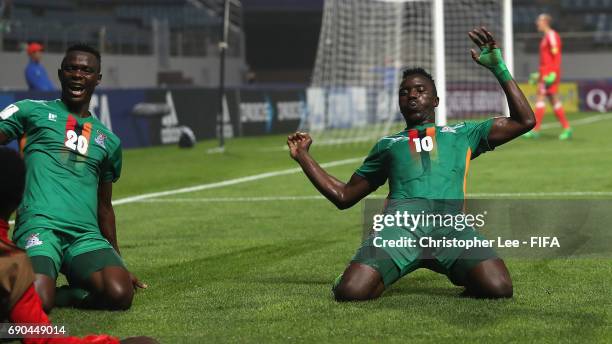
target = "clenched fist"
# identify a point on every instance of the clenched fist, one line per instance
(298, 143)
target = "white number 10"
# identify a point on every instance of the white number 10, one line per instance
(76, 142)
(424, 144)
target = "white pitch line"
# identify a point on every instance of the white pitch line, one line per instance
(150, 198)
(232, 199)
(144, 197)
(228, 182)
(542, 194)
(582, 121)
(318, 197)
(588, 120)
(330, 142)
(152, 195)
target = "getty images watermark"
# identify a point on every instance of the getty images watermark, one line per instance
(519, 228)
(458, 222)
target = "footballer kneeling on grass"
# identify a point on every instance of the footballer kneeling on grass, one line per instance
(416, 171)
(66, 221)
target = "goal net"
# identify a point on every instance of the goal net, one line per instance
(365, 44)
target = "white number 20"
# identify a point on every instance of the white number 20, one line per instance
(424, 144)
(76, 142)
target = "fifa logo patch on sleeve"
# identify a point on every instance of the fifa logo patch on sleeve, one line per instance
(8, 112)
(449, 130)
(452, 129)
(32, 241)
(101, 139)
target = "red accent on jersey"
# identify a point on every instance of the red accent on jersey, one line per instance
(412, 134)
(71, 123)
(550, 53)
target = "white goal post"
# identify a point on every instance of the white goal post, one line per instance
(365, 44)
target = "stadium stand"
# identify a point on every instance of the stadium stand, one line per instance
(119, 27)
(588, 31)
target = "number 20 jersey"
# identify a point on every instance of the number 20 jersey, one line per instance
(66, 158)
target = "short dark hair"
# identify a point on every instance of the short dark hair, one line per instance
(85, 48)
(422, 72)
(12, 180)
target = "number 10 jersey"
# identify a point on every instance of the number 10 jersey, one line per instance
(426, 161)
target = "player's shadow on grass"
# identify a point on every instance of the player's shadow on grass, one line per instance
(297, 281)
(432, 285)
(453, 292)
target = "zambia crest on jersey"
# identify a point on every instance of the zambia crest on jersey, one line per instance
(100, 139)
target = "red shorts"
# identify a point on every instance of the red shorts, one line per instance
(548, 90)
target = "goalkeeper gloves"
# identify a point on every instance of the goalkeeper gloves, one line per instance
(492, 59)
(550, 78)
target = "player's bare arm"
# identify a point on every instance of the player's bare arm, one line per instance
(106, 222)
(342, 195)
(521, 118)
(106, 214)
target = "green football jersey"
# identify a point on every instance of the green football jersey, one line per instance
(66, 158)
(426, 162)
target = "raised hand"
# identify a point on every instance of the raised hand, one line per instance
(490, 54)
(521, 118)
(298, 143)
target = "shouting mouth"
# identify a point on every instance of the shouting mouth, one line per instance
(76, 90)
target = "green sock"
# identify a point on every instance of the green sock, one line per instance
(66, 296)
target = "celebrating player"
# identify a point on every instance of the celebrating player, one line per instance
(19, 302)
(423, 162)
(66, 222)
(548, 78)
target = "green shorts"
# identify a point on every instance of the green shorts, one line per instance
(77, 257)
(394, 261)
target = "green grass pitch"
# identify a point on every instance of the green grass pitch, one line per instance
(221, 269)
